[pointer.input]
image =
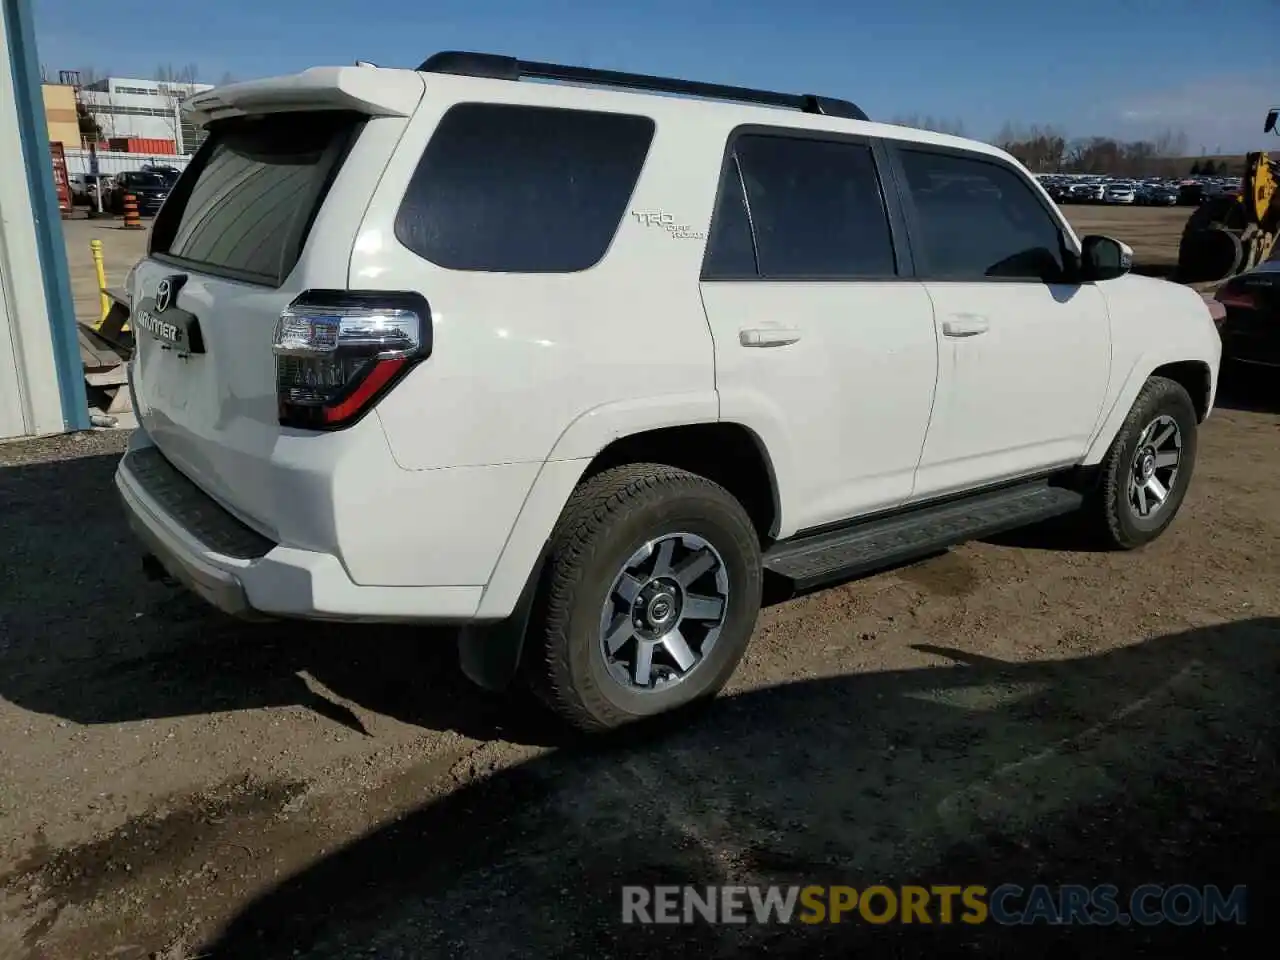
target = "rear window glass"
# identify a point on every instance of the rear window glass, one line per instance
(143, 180)
(246, 203)
(515, 189)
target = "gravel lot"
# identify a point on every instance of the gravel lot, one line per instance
(1153, 232)
(176, 784)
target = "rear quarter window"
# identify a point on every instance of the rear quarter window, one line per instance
(515, 189)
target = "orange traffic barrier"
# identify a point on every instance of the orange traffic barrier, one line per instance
(131, 219)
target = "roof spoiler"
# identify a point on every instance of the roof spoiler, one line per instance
(378, 93)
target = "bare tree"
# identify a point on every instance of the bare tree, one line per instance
(95, 93)
(227, 77)
(929, 122)
(1041, 149)
(90, 75)
(1046, 149)
(1171, 144)
(175, 86)
(182, 76)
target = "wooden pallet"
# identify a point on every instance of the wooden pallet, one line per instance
(105, 351)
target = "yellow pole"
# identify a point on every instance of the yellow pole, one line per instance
(95, 247)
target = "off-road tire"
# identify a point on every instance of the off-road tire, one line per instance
(609, 517)
(1115, 520)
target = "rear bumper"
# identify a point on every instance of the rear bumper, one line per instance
(183, 558)
(1272, 364)
(281, 581)
(1251, 338)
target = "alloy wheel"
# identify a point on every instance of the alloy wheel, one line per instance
(1154, 470)
(664, 612)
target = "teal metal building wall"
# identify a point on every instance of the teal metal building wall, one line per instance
(19, 57)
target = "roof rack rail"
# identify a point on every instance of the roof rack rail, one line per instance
(495, 66)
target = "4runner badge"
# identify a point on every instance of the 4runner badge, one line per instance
(162, 318)
(656, 218)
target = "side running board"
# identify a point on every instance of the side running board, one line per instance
(884, 541)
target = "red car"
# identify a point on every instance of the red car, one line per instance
(1251, 327)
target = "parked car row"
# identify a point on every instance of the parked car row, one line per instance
(150, 185)
(1151, 191)
(84, 187)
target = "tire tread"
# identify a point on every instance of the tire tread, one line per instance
(589, 510)
(1154, 393)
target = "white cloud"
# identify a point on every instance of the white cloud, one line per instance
(1216, 112)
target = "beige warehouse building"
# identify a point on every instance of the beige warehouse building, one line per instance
(60, 114)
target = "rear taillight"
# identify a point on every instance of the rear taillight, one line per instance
(337, 352)
(1237, 299)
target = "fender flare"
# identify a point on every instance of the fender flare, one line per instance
(490, 649)
(594, 429)
(580, 441)
(1138, 374)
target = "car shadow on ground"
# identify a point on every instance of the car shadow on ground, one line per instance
(91, 640)
(1153, 763)
(84, 636)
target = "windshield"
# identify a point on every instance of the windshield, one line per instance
(146, 180)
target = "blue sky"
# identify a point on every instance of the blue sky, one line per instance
(1128, 68)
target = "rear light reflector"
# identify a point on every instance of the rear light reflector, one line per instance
(1239, 299)
(338, 352)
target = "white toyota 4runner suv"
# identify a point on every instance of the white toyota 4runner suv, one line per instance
(573, 364)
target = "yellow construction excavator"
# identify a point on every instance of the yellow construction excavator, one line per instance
(1230, 235)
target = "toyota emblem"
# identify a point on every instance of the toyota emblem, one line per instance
(164, 293)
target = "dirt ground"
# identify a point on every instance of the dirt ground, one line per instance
(1153, 232)
(175, 784)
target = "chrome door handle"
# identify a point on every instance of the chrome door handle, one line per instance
(768, 336)
(965, 325)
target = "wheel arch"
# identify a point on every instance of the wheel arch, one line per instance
(1195, 376)
(728, 453)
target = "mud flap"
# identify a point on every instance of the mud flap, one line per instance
(489, 653)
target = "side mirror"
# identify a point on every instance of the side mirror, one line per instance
(1103, 258)
(1272, 117)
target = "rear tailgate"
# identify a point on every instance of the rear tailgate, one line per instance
(269, 207)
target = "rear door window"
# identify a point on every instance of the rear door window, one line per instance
(246, 204)
(814, 208)
(517, 189)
